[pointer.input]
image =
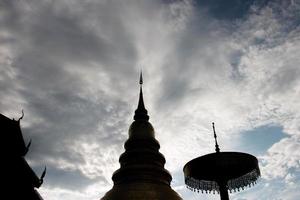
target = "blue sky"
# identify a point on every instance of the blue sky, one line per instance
(73, 67)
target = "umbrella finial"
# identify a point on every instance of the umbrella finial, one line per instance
(215, 136)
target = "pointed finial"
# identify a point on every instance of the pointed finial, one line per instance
(215, 136)
(141, 78)
(141, 112)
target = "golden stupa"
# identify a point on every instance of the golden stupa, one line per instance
(142, 175)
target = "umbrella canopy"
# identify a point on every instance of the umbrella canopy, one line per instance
(234, 169)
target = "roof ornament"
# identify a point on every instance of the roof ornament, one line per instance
(42, 176)
(215, 136)
(27, 147)
(21, 116)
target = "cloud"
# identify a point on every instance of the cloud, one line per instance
(67, 178)
(282, 157)
(73, 67)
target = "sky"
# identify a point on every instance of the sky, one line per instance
(73, 67)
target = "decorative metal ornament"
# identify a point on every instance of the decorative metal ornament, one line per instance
(221, 171)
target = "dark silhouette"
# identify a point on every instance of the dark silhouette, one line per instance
(18, 179)
(221, 171)
(142, 174)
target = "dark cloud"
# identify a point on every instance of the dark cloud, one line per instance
(235, 60)
(61, 34)
(47, 41)
(72, 66)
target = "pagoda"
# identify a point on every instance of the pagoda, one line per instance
(18, 179)
(141, 175)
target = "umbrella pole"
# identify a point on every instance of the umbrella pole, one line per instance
(223, 192)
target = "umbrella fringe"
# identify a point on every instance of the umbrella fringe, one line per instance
(233, 185)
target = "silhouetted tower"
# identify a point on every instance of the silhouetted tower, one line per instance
(18, 180)
(142, 175)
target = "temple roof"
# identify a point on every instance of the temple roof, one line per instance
(12, 135)
(18, 177)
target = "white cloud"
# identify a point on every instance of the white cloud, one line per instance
(73, 68)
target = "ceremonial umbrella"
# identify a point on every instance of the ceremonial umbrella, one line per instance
(221, 171)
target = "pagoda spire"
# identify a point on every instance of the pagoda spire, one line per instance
(141, 113)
